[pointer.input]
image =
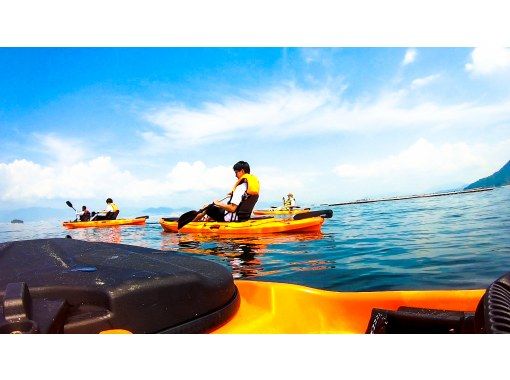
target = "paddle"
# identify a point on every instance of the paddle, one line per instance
(311, 214)
(70, 205)
(188, 217)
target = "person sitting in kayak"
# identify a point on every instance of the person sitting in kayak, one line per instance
(84, 215)
(242, 201)
(290, 202)
(109, 213)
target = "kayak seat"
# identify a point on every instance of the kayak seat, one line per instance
(492, 316)
(112, 215)
(246, 207)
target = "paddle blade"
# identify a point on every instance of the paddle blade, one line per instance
(186, 218)
(70, 205)
(311, 214)
(190, 215)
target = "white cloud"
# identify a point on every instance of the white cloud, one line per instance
(409, 57)
(424, 165)
(488, 60)
(261, 115)
(287, 112)
(425, 81)
(23, 179)
(29, 182)
(62, 150)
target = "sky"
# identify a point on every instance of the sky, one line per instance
(153, 127)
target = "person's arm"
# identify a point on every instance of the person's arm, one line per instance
(236, 199)
(229, 207)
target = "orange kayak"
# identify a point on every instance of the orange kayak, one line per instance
(252, 226)
(277, 308)
(107, 223)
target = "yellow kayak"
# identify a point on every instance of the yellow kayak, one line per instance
(138, 221)
(280, 211)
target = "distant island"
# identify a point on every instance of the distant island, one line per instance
(16, 221)
(500, 178)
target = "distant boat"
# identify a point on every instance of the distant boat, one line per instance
(16, 221)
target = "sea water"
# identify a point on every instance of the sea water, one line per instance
(451, 242)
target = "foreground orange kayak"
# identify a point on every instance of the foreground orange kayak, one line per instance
(252, 226)
(276, 308)
(107, 223)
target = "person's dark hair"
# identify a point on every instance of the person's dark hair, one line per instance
(242, 165)
(83, 208)
(109, 200)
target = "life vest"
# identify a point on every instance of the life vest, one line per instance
(85, 217)
(114, 207)
(250, 197)
(253, 184)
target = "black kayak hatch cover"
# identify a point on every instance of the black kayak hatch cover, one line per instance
(73, 286)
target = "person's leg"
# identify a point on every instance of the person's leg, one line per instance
(216, 213)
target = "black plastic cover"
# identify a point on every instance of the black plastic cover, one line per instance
(73, 286)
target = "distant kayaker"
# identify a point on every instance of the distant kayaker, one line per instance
(109, 213)
(84, 215)
(290, 202)
(243, 197)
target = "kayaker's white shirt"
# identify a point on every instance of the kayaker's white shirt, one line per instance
(237, 197)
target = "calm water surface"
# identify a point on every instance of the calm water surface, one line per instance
(450, 242)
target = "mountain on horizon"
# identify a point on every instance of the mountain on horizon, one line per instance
(499, 178)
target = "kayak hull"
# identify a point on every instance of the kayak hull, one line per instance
(276, 308)
(252, 226)
(105, 223)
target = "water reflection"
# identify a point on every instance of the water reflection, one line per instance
(106, 235)
(243, 254)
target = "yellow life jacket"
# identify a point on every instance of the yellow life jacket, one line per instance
(253, 184)
(114, 207)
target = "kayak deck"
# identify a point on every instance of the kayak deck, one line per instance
(276, 308)
(277, 211)
(252, 226)
(106, 223)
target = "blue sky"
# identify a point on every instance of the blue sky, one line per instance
(163, 126)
